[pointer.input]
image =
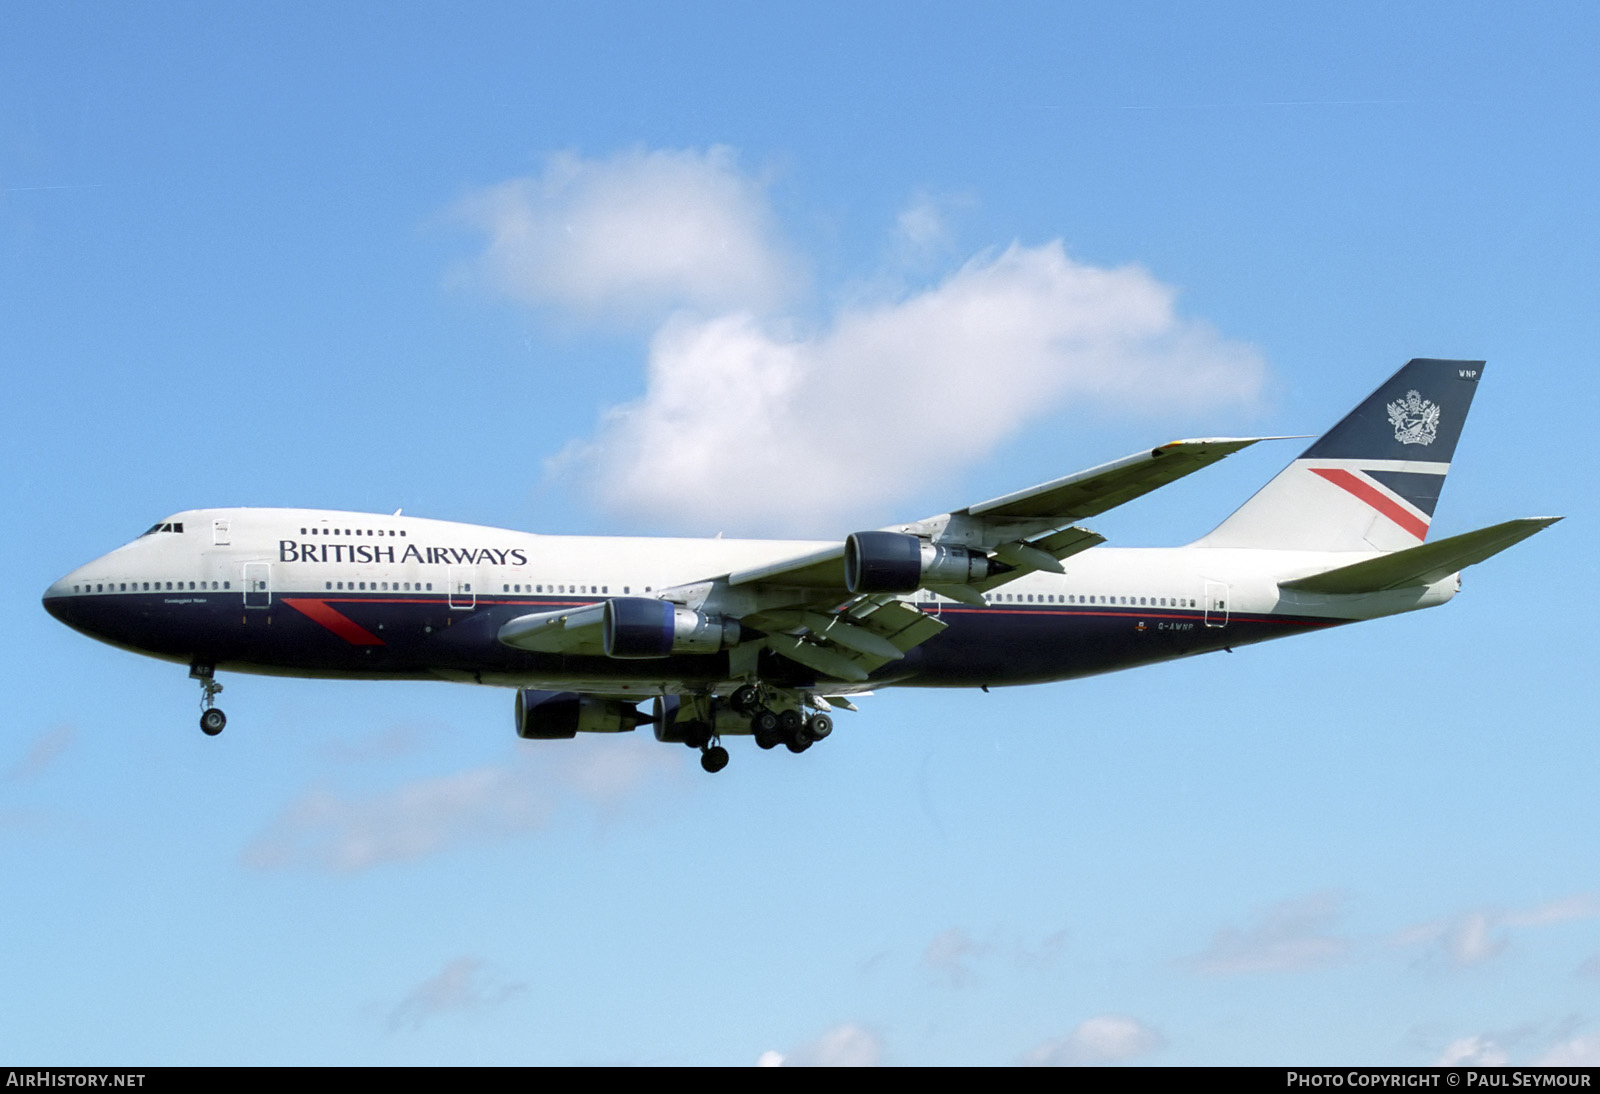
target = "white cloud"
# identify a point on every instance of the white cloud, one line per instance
(847, 1045)
(326, 830)
(1482, 1051)
(1477, 935)
(755, 417)
(922, 230)
(1580, 1051)
(634, 233)
(1565, 910)
(1564, 1046)
(752, 422)
(1107, 1039)
(462, 985)
(1289, 937)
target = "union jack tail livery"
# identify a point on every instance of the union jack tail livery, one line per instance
(1371, 482)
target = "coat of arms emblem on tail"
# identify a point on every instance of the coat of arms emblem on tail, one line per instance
(1415, 419)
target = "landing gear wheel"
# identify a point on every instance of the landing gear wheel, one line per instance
(211, 719)
(792, 730)
(764, 723)
(745, 700)
(768, 740)
(819, 726)
(714, 759)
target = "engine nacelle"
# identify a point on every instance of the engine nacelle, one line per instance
(635, 627)
(890, 562)
(668, 729)
(553, 715)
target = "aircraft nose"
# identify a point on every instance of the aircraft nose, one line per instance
(62, 601)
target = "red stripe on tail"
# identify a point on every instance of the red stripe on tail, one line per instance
(1384, 504)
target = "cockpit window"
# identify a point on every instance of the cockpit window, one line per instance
(164, 526)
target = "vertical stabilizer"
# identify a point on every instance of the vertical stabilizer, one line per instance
(1371, 482)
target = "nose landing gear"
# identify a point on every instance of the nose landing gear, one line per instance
(211, 717)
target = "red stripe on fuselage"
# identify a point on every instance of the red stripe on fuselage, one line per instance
(340, 624)
(1384, 504)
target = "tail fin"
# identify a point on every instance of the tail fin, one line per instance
(1371, 482)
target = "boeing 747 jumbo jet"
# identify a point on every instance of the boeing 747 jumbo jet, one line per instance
(766, 637)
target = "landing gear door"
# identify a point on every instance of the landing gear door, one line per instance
(258, 584)
(1216, 602)
(462, 594)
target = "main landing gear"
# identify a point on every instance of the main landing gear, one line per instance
(212, 720)
(789, 727)
(773, 716)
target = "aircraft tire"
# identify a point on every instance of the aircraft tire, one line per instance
(212, 721)
(763, 722)
(798, 745)
(768, 740)
(714, 759)
(819, 726)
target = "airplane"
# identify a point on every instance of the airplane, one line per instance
(766, 638)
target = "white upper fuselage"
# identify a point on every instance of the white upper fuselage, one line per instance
(240, 555)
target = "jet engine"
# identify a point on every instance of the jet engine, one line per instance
(889, 562)
(637, 627)
(551, 715)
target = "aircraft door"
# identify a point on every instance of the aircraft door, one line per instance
(1216, 602)
(258, 584)
(462, 593)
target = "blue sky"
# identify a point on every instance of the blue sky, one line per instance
(294, 255)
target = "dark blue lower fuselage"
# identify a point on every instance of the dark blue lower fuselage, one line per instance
(425, 637)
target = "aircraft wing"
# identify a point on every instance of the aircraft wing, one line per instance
(1034, 519)
(1089, 493)
(813, 610)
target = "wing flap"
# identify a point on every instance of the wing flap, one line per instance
(850, 643)
(827, 661)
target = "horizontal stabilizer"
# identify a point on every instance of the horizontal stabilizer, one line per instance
(1421, 565)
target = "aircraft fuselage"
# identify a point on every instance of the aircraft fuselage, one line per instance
(317, 593)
